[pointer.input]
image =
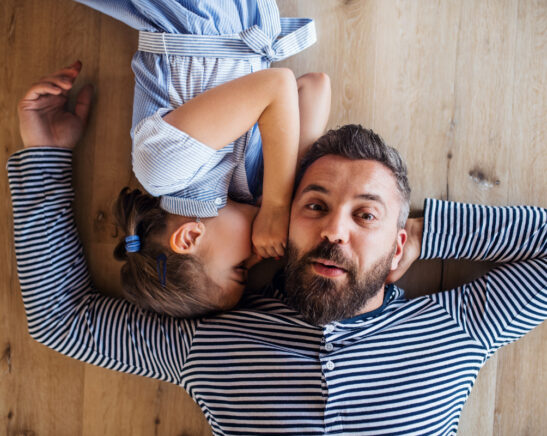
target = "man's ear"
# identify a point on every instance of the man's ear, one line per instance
(399, 246)
(187, 238)
(398, 263)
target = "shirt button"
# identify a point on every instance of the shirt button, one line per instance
(218, 201)
(328, 346)
(330, 365)
(329, 329)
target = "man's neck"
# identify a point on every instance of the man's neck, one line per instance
(373, 303)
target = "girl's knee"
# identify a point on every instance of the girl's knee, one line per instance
(319, 82)
(282, 77)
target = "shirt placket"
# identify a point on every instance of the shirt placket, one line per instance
(333, 421)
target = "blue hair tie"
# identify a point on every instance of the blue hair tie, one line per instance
(132, 243)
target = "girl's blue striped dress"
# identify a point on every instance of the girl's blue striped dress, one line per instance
(185, 48)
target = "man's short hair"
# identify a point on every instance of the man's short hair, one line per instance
(352, 141)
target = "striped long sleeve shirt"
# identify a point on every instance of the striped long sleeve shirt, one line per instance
(406, 368)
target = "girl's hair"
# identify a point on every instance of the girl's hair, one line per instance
(184, 291)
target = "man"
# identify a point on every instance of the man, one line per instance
(329, 349)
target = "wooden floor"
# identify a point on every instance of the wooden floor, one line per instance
(458, 86)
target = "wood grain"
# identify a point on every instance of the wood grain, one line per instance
(459, 87)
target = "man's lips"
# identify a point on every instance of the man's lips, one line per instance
(327, 268)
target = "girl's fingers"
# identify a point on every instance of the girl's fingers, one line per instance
(275, 250)
(263, 252)
(272, 252)
(280, 251)
(266, 253)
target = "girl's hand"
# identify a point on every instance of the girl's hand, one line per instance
(43, 117)
(270, 230)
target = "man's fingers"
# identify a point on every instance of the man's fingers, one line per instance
(42, 88)
(71, 71)
(64, 78)
(74, 69)
(83, 102)
(53, 101)
(63, 82)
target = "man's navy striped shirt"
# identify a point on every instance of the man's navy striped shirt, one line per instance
(406, 368)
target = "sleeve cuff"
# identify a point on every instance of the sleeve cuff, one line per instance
(39, 157)
(40, 169)
(434, 227)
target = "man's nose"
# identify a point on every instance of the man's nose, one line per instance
(336, 229)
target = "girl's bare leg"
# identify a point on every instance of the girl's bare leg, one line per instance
(314, 97)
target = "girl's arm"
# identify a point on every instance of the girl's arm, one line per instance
(224, 113)
(314, 95)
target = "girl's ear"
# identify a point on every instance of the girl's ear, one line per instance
(187, 238)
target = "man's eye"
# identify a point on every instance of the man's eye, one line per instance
(314, 206)
(366, 216)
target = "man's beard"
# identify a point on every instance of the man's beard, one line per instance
(322, 300)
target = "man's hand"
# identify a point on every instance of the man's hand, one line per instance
(43, 117)
(411, 250)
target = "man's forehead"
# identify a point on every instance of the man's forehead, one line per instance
(331, 172)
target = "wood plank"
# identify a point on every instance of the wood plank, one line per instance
(124, 404)
(521, 387)
(483, 169)
(33, 380)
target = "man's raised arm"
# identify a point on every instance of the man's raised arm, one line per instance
(63, 309)
(508, 301)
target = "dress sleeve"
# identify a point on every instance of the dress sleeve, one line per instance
(511, 299)
(122, 10)
(166, 159)
(64, 311)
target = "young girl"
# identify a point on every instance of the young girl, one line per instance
(198, 150)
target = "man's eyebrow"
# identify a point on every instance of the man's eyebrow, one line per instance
(371, 197)
(315, 188)
(366, 196)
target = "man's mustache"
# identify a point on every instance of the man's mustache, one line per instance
(329, 251)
